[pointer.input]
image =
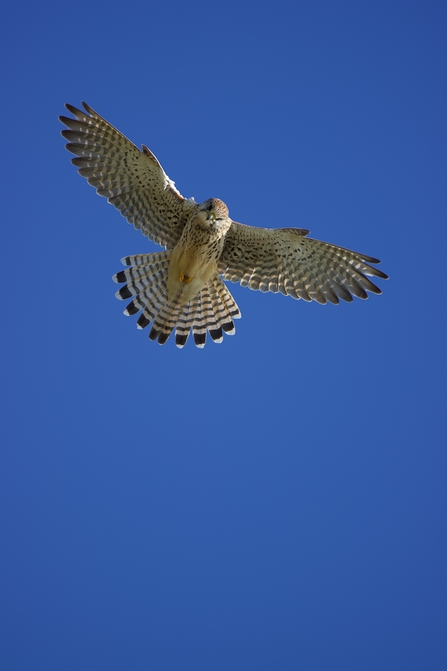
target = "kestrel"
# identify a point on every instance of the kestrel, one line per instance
(182, 288)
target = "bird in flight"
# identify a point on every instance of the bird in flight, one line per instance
(182, 288)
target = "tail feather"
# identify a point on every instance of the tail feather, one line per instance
(199, 321)
(227, 298)
(146, 259)
(164, 322)
(140, 285)
(153, 300)
(207, 313)
(149, 272)
(183, 328)
(211, 311)
(221, 314)
(150, 301)
(228, 302)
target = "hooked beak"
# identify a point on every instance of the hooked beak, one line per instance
(210, 215)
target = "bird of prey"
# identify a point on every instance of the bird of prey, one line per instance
(182, 287)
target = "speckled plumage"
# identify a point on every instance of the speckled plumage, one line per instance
(181, 288)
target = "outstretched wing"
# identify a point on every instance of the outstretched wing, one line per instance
(285, 260)
(132, 180)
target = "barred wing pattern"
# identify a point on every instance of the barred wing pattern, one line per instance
(132, 180)
(285, 260)
(278, 260)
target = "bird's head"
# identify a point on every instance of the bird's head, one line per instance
(214, 213)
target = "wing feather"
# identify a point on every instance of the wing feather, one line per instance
(286, 261)
(131, 180)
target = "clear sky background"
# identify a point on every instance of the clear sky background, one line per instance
(277, 502)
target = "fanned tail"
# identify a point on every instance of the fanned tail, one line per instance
(146, 280)
(165, 322)
(211, 311)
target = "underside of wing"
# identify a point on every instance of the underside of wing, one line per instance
(286, 261)
(132, 180)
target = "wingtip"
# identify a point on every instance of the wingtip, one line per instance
(378, 273)
(87, 108)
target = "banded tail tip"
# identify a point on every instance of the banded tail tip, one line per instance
(199, 339)
(180, 340)
(120, 277)
(162, 338)
(123, 293)
(142, 322)
(216, 335)
(229, 328)
(131, 309)
(153, 334)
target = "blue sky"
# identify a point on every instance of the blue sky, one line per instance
(277, 501)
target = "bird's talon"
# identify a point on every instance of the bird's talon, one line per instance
(184, 278)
